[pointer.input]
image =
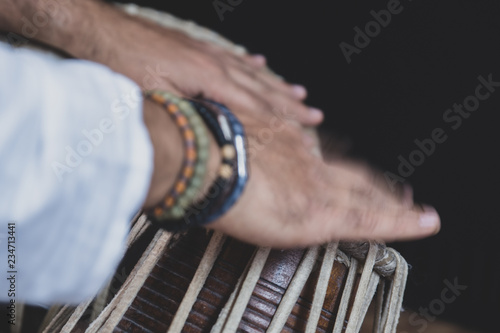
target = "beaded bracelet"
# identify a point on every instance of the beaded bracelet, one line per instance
(232, 174)
(196, 144)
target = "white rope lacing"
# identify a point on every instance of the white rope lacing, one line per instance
(346, 295)
(65, 318)
(294, 289)
(259, 260)
(363, 291)
(114, 311)
(387, 308)
(321, 287)
(199, 278)
(395, 300)
(243, 294)
(369, 284)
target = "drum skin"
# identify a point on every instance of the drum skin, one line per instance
(153, 308)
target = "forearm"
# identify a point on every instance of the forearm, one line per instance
(89, 29)
(80, 28)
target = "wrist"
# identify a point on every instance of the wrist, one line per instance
(169, 153)
(200, 195)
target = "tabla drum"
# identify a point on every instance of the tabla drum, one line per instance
(206, 282)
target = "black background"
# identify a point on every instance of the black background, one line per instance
(395, 91)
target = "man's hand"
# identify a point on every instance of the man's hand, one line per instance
(159, 58)
(294, 198)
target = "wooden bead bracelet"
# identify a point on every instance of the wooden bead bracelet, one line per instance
(179, 211)
(196, 145)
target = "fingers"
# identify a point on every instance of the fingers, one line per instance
(295, 91)
(388, 225)
(402, 193)
(305, 115)
(274, 90)
(352, 205)
(288, 96)
(228, 73)
(243, 83)
(259, 62)
(316, 207)
(256, 60)
(334, 224)
(354, 223)
(299, 91)
(359, 184)
(216, 73)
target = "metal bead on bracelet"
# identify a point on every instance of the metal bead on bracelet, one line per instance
(182, 212)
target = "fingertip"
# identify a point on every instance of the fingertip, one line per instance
(258, 60)
(429, 220)
(315, 115)
(299, 91)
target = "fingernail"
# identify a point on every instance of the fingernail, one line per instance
(299, 91)
(316, 114)
(429, 218)
(259, 58)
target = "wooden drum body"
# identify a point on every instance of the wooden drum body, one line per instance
(206, 282)
(158, 300)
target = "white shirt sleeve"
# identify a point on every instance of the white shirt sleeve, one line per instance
(75, 166)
